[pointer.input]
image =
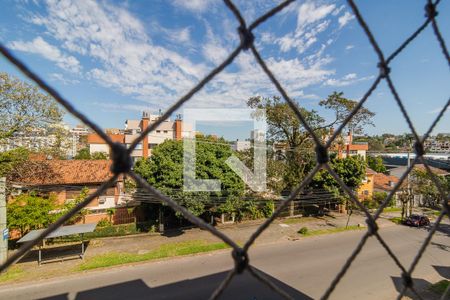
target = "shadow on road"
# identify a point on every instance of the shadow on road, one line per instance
(243, 286)
(443, 271)
(418, 284)
(172, 232)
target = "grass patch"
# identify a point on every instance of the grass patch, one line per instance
(13, 273)
(299, 220)
(436, 213)
(440, 286)
(168, 250)
(331, 230)
(392, 209)
(396, 220)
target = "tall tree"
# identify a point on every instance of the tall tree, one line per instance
(24, 109)
(284, 127)
(342, 107)
(164, 170)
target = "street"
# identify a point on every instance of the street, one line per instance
(303, 268)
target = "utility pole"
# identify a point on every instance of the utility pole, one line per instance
(3, 229)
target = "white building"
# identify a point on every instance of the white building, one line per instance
(241, 145)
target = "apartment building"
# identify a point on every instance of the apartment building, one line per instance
(38, 139)
(167, 130)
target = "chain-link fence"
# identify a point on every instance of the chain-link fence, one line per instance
(122, 161)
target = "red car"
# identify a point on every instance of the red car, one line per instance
(417, 221)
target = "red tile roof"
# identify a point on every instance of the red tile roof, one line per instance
(382, 182)
(59, 172)
(94, 138)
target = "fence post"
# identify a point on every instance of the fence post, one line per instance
(291, 209)
(3, 229)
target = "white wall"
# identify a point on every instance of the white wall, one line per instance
(99, 148)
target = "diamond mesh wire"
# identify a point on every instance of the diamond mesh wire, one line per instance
(122, 160)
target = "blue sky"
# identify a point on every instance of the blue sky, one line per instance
(115, 59)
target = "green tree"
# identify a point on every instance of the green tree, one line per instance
(352, 171)
(24, 109)
(284, 128)
(164, 170)
(376, 164)
(422, 184)
(86, 154)
(28, 211)
(11, 160)
(83, 154)
(298, 155)
(342, 108)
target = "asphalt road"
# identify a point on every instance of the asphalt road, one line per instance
(303, 268)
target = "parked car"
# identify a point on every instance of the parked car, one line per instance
(416, 220)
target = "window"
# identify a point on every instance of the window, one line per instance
(158, 131)
(165, 131)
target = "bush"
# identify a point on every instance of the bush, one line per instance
(104, 223)
(303, 230)
(268, 208)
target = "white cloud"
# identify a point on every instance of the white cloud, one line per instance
(309, 13)
(63, 79)
(198, 6)
(128, 59)
(345, 18)
(348, 79)
(213, 48)
(41, 47)
(125, 57)
(113, 107)
(350, 76)
(348, 47)
(310, 23)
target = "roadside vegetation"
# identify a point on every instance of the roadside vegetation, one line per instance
(13, 273)
(167, 250)
(396, 220)
(306, 232)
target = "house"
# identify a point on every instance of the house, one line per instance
(365, 190)
(384, 183)
(345, 146)
(65, 179)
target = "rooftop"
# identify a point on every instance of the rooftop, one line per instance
(60, 172)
